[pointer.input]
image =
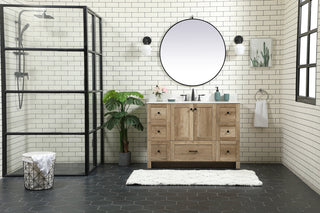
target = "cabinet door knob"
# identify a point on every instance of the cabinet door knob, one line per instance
(158, 131)
(228, 151)
(228, 113)
(158, 113)
(158, 151)
(194, 108)
(191, 109)
(228, 131)
(193, 151)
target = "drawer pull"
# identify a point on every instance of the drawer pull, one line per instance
(228, 131)
(158, 131)
(158, 113)
(194, 151)
(228, 151)
(158, 151)
(228, 113)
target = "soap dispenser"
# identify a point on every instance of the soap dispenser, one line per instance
(217, 95)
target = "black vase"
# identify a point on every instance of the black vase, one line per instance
(124, 158)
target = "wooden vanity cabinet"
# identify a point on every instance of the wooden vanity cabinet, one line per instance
(199, 132)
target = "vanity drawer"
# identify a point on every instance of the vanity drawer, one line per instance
(227, 115)
(158, 113)
(227, 133)
(193, 152)
(228, 151)
(159, 132)
(159, 152)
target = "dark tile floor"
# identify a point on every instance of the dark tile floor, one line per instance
(105, 191)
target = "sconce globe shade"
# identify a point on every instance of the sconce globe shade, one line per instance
(146, 50)
(239, 49)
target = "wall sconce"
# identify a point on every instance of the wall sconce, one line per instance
(146, 48)
(239, 48)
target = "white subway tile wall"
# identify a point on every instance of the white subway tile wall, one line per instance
(126, 22)
(300, 122)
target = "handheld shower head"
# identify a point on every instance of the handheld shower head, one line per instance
(24, 29)
(19, 38)
(44, 15)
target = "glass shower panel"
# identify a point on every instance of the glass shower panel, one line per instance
(44, 27)
(98, 72)
(69, 149)
(90, 32)
(98, 50)
(43, 112)
(16, 146)
(90, 71)
(92, 151)
(45, 71)
(45, 87)
(99, 146)
(99, 100)
(90, 106)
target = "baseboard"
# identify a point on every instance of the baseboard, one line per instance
(313, 187)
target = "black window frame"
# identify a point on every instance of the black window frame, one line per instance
(304, 99)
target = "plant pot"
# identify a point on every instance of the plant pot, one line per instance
(124, 158)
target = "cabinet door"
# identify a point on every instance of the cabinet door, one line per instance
(204, 116)
(182, 122)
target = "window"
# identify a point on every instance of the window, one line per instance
(307, 51)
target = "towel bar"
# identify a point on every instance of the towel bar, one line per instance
(262, 92)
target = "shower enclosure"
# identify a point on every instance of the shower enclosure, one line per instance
(51, 86)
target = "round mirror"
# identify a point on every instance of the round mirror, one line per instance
(192, 52)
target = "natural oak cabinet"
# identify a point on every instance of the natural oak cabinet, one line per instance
(200, 132)
(191, 122)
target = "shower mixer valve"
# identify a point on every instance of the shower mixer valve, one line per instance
(21, 75)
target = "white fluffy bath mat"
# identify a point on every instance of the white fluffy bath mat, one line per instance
(194, 177)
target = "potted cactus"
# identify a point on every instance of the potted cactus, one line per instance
(117, 104)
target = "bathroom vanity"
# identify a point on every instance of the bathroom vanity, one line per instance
(193, 132)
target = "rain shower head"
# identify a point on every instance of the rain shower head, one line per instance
(44, 16)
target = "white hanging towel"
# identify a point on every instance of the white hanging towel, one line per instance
(261, 114)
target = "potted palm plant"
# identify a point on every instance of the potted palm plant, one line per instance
(117, 104)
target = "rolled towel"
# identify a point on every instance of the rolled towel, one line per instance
(261, 114)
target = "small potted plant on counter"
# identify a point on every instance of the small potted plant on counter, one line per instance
(117, 104)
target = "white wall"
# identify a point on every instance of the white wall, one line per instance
(300, 122)
(126, 22)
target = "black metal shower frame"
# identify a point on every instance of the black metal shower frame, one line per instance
(86, 11)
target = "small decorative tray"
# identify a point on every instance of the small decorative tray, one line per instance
(171, 100)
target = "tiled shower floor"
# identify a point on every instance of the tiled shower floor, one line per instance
(60, 169)
(105, 191)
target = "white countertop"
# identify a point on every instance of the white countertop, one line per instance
(193, 102)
